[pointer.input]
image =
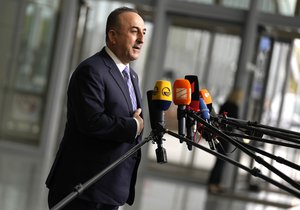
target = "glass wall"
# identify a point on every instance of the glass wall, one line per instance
(27, 50)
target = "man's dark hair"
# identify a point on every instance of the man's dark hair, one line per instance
(113, 18)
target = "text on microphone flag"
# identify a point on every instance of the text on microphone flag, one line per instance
(181, 94)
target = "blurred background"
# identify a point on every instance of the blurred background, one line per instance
(253, 45)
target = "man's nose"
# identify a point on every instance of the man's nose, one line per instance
(141, 37)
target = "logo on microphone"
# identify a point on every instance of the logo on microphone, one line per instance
(181, 93)
(166, 91)
(162, 91)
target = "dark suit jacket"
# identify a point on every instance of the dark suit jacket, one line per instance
(99, 130)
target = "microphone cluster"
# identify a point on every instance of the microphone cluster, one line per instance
(188, 98)
(196, 115)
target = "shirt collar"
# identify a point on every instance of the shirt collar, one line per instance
(117, 61)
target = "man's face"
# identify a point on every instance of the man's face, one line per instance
(128, 37)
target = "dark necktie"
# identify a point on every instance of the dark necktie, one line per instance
(130, 87)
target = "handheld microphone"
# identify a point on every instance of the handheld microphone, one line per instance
(204, 110)
(194, 105)
(206, 116)
(191, 124)
(181, 98)
(208, 101)
(206, 97)
(159, 100)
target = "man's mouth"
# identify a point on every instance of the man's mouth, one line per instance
(137, 47)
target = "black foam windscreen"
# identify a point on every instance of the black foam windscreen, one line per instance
(156, 116)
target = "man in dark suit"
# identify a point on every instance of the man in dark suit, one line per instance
(103, 121)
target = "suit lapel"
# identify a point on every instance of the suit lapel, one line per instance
(116, 74)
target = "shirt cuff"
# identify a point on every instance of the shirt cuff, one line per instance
(137, 127)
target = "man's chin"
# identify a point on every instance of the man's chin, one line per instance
(135, 56)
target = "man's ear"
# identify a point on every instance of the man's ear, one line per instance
(112, 36)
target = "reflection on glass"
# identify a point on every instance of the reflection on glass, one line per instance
(240, 4)
(286, 7)
(25, 93)
(192, 51)
(35, 49)
(281, 105)
(281, 7)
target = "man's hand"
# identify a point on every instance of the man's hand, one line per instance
(139, 120)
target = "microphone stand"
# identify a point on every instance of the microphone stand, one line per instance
(254, 171)
(276, 158)
(258, 159)
(157, 137)
(258, 125)
(256, 129)
(295, 146)
(78, 189)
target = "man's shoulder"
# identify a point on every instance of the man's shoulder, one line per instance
(97, 60)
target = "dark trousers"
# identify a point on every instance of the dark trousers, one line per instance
(78, 204)
(216, 172)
